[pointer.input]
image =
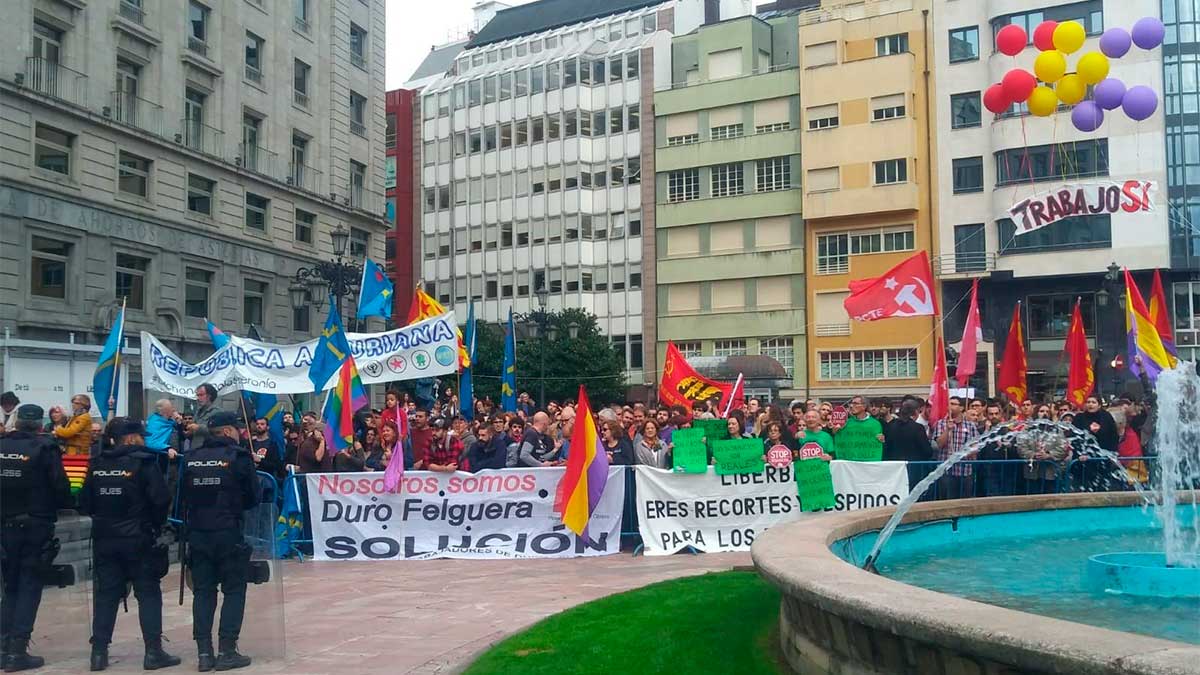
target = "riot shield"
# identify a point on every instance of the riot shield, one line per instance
(262, 636)
(63, 626)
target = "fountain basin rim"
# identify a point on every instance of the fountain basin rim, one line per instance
(797, 558)
(1143, 574)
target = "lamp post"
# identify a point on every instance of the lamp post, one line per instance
(338, 277)
(1110, 286)
(537, 325)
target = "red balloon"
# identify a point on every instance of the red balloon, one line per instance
(1043, 35)
(1011, 40)
(995, 100)
(1018, 85)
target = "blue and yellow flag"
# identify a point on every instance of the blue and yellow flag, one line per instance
(375, 293)
(508, 378)
(466, 394)
(108, 367)
(332, 350)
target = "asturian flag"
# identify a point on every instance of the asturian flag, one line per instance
(375, 292)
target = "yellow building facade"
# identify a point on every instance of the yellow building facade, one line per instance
(868, 187)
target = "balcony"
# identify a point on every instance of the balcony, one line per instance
(197, 45)
(305, 177)
(201, 137)
(254, 75)
(358, 128)
(300, 25)
(363, 199)
(56, 80)
(132, 12)
(358, 60)
(258, 159)
(300, 98)
(136, 112)
(967, 264)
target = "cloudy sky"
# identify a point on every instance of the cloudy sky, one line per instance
(413, 26)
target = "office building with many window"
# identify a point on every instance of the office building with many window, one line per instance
(533, 150)
(186, 158)
(989, 163)
(730, 235)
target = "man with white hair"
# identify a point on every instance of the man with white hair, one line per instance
(161, 428)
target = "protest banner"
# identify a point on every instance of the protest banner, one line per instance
(868, 485)
(424, 349)
(1089, 198)
(689, 453)
(857, 443)
(779, 456)
(738, 455)
(814, 481)
(490, 514)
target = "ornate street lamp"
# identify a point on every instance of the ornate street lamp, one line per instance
(338, 277)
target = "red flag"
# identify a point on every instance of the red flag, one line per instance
(1081, 378)
(939, 389)
(972, 334)
(1158, 314)
(1013, 365)
(682, 385)
(904, 290)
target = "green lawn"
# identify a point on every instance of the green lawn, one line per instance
(723, 623)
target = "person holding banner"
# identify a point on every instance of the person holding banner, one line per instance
(650, 449)
(616, 444)
(814, 433)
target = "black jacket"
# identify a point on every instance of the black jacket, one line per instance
(490, 455)
(907, 441)
(622, 453)
(218, 484)
(1107, 434)
(32, 479)
(125, 493)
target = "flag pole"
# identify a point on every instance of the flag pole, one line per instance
(112, 386)
(732, 395)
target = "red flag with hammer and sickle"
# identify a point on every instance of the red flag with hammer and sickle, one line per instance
(682, 385)
(904, 290)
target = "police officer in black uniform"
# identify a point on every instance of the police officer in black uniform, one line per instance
(33, 487)
(126, 496)
(218, 485)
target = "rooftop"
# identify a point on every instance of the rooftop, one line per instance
(436, 62)
(547, 14)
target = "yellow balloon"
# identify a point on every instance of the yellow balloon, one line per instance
(1050, 66)
(1093, 67)
(1043, 102)
(1069, 37)
(1071, 89)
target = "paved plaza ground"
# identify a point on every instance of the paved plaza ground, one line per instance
(421, 617)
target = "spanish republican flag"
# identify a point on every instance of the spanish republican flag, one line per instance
(1143, 337)
(1158, 314)
(582, 484)
(1081, 378)
(1014, 365)
(423, 307)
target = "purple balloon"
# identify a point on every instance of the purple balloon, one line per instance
(1148, 32)
(1140, 102)
(1110, 93)
(1087, 116)
(1115, 43)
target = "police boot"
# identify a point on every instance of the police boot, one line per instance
(99, 660)
(156, 658)
(19, 657)
(205, 661)
(229, 658)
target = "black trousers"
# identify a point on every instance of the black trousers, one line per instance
(22, 544)
(119, 562)
(218, 557)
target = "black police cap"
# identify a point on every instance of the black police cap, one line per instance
(224, 418)
(128, 427)
(30, 413)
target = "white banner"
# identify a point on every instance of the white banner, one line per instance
(725, 513)
(491, 514)
(425, 349)
(1082, 199)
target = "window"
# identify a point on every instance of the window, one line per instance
(300, 319)
(358, 46)
(48, 268)
(305, 224)
(194, 130)
(965, 110)
(891, 171)
(968, 175)
(358, 114)
(773, 174)
(553, 75)
(133, 175)
(634, 115)
(52, 149)
(881, 241)
(1090, 14)
(1187, 313)
(780, 349)
(688, 349)
(616, 121)
(251, 152)
(683, 185)
(254, 298)
(254, 58)
(833, 253)
(256, 211)
(301, 71)
(887, 107)
(631, 65)
(1052, 162)
(1050, 315)
(970, 248)
(891, 44)
(964, 44)
(300, 22)
(725, 131)
(197, 284)
(360, 242)
(823, 117)
(198, 28)
(729, 348)
(685, 139)
(1069, 233)
(537, 80)
(824, 179)
(131, 280)
(869, 364)
(521, 82)
(727, 180)
(200, 194)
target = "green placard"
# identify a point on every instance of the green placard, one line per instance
(814, 484)
(739, 455)
(714, 430)
(690, 457)
(687, 437)
(858, 443)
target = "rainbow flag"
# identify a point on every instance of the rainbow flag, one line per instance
(583, 483)
(1143, 337)
(340, 404)
(76, 467)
